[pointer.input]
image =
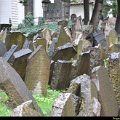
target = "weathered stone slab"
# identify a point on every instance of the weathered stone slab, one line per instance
(51, 48)
(37, 71)
(25, 110)
(13, 85)
(106, 94)
(100, 38)
(8, 54)
(63, 38)
(40, 41)
(26, 44)
(3, 49)
(112, 39)
(65, 52)
(60, 78)
(16, 38)
(114, 48)
(20, 61)
(63, 106)
(83, 64)
(3, 34)
(114, 73)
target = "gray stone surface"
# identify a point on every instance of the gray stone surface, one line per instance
(61, 75)
(106, 96)
(3, 49)
(63, 106)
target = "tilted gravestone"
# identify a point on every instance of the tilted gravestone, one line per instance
(60, 77)
(114, 48)
(37, 71)
(16, 38)
(3, 49)
(20, 61)
(26, 44)
(9, 54)
(100, 38)
(106, 96)
(114, 73)
(25, 110)
(13, 85)
(65, 52)
(63, 37)
(63, 106)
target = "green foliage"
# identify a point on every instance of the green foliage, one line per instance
(4, 109)
(46, 103)
(109, 7)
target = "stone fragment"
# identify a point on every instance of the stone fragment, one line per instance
(3, 49)
(63, 106)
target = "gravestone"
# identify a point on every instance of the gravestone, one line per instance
(9, 54)
(26, 44)
(40, 41)
(47, 36)
(65, 52)
(24, 110)
(61, 75)
(100, 38)
(79, 48)
(20, 61)
(114, 48)
(106, 94)
(13, 85)
(83, 64)
(51, 48)
(37, 71)
(77, 29)
(114, 70)
(16, 38)
(63, 106)
(63, 37)
(112, 39)
(3, 34)
(3, 49)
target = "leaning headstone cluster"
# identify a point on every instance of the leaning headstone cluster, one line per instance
(85, 65)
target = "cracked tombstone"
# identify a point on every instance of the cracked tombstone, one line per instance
(61, 75)
(16, 38)
(106, 96)
(63, 38)
(65, 52)
(25, 110)
(114, 70)
(14, 87)
(20, 61)
(37, 71)
(63, 106)
(3, 49)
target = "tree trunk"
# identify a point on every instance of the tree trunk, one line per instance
(29, 7)
(96, 12)
(117, 26)
(86, 12)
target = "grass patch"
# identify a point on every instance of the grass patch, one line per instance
(46, 103)
(4, 109)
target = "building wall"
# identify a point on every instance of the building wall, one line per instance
(79, 10)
